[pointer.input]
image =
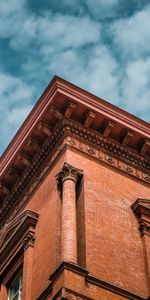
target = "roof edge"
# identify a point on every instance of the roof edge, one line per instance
(60, 85)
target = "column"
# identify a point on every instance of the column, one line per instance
(141, 208)
(68, 178)
(28, 244)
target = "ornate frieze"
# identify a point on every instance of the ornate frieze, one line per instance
(72, 134)
(31, 170)
(100, 155)
(109, 146)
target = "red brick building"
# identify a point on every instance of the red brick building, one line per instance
(75, 202)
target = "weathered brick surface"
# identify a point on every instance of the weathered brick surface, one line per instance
(114, 249)
(108, 241)
(47, 203)
(68, 231)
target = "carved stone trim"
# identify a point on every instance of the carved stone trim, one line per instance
(108, 126)
(109, 146)
(28, 240)
(141, 208)
(67, 294)
(85, 140)
(17, 236)
(69, 172)
(31, 170)
(144, 227)
(68, 266)
(110, 159)
(113, 288)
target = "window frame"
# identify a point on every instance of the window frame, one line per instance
(19, 290)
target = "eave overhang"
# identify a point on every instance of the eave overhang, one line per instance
(63, 104)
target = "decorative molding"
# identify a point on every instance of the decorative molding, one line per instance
(69, 172)
(144, 227)
(17, 235)
(28, 240)
(109, 146)
(103, 155)
(65, 265)
(126, 137)
(82, 139)
(31, 171)
(67, 294)
(62, 294)
(144, 147)
(70, 109)
(113, 288)
(108, 126)
(141, 208)
(72, 295)
(90, 116)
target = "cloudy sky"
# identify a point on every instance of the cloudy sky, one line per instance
(101, 45)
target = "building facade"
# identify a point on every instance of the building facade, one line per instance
(75, 202)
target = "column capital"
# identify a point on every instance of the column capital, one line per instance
(28, 240)
(69, 172)
(144, 227)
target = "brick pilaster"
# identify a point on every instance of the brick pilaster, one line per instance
(68, 178)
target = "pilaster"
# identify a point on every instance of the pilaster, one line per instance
(141, 208)
(68, 178)
(28, 245)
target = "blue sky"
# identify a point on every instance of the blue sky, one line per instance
(101, 45)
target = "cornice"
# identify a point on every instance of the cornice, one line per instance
(31, 170)
(108, 145)
(79, 96)
(66, 109)
(71, 134)
(98, 104)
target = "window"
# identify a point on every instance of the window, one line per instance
(15, 288)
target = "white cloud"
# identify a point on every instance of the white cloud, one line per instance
(132, 35)
(13, 90)
(69, 31)
(11, 17)
(11, 6)
(15, 98)
(94, 71)
(55, 30)
(102, 9)
(102, 74)
(72, 46)
(135, 88)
